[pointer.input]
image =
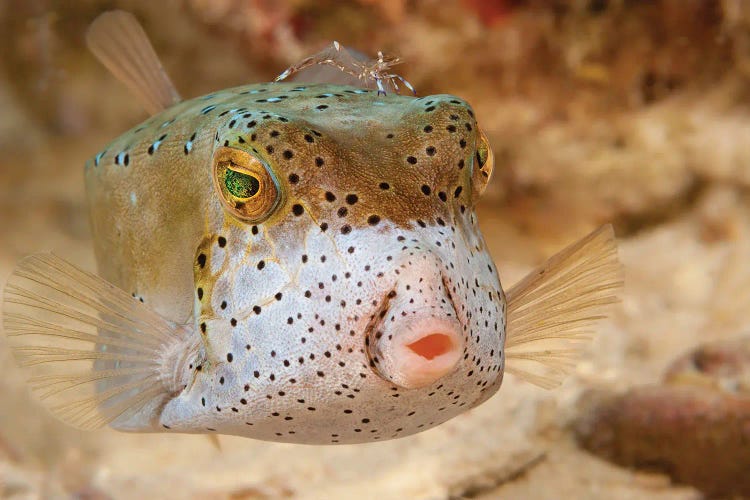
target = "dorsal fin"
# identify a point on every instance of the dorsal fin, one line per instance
(119, 42)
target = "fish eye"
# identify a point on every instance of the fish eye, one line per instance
(239, 185)
(246, 186)
(484, 164)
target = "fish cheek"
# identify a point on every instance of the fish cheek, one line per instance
(206, 267)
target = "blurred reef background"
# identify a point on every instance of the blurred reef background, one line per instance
(630, 111)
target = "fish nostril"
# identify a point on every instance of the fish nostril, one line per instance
(431, 346)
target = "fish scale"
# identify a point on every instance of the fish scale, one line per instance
(292, 262)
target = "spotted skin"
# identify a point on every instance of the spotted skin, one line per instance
(375, 227)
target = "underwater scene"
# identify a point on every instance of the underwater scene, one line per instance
(387, 249)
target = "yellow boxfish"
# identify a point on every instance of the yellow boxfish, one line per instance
(296, 262)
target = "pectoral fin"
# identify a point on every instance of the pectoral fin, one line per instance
(552, 312)
(94, 354)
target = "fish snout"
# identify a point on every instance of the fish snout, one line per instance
(423, 351)
(414, 347)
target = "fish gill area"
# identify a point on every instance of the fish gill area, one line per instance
(623, 111)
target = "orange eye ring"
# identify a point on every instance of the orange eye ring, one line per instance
(246, 186)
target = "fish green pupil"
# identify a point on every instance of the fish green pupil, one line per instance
(482, 155)
(241, 185)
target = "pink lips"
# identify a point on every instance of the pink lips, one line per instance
(423, 350)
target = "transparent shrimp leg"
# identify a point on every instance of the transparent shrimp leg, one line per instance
(338, 56)
(405, 82)
(381, 89)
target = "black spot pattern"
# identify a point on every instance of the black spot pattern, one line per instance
(297, 310)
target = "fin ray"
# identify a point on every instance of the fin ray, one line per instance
(122, 46)
(14, 296)
(23, 325)
(94, 353)
(552, 310)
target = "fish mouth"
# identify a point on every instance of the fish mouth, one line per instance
(432, 345)
(425, 351)
(413, 347)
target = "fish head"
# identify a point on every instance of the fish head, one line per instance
(344, 262)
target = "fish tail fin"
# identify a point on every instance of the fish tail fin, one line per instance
(119, 42)
(94, 354)
(552, 311)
